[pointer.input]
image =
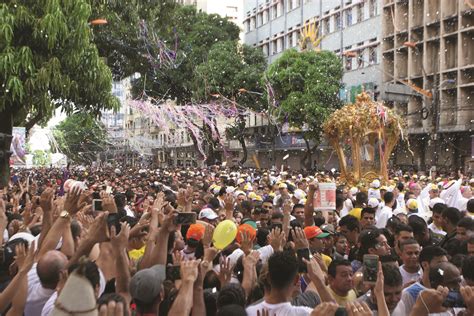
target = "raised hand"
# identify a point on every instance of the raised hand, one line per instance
(325, 309)
(46, 200)
(24, 259)
(246, 243)
(189, 270)
(358, 309)
(108, 203)
(99, 231)
(72, 204)
(250, 261)
(299, 238)
(119, 242)
(225, 272)
(314, 270)
(276, 239)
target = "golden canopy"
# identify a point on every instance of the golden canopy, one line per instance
(363, 135)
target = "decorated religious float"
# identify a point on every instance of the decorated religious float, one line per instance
(363, 134)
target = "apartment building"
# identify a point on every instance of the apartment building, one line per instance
(428, 63)
(348, 28)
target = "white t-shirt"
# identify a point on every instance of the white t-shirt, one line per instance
(435, 229)
(382, 216)
(281, 309)
(37, 294)
(408, 277)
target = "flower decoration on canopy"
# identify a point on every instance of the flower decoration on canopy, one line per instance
(363, 135)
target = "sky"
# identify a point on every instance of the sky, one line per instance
(38, 140)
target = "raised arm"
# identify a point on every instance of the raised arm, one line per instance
(119, 245)
(46, 203)
(184, 301)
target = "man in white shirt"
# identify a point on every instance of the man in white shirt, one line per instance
(42, 281)
(410, 269)
(382, 216)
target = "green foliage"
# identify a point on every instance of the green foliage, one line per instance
(233, 71)
(119, 40)
(197, 32)
(307, 86)
(41, 158)
(80, 137)
(47, 60)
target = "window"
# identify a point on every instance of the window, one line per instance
(274, 11)
(247, 26)
(360, 12)
(290, 39)
(280, 8)
(279, 44)
(349, 17)
(253, 23)
(265, 49)
(373, 55)
(348, 63)
(296, 37)
(337, 21)
(265, 17)
(372, 8)
(274, 47)
(360, 59)
(327, 27)
(260, 19)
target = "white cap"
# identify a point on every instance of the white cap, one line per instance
(230, 189)
(354, 190)
(375, 184)
(299, 194)
(208, 214)
(436, 200)
(373, 193)
(373, 203)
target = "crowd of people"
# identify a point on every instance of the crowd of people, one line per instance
(105, 241)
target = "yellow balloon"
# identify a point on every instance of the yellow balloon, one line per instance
(224, 234)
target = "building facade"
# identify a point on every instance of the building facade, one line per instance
(351, 29)
(428, 63)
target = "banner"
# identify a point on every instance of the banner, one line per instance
(18, 146)
(325, 197)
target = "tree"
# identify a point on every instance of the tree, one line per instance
(233, 71)
(196, 33)
(307, 86)
(80, 137)
(47, 61)
(120, 41)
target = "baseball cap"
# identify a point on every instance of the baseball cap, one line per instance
(282, 186)
(434, 187)
(208, 214)
(412, 204)
(250, 222)
(314, 231)
(375, 184)
(436, 201)
(195, 231)
(146, 284)
(328, 228)
(299, 194)
(246, 228)
(354, 190)
(373, 203)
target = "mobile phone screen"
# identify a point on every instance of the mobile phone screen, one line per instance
(370, 267)
(302, 253)
(173, 273)
(185, 218)
(97, 205)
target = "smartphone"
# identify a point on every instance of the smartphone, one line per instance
(97, 205)
(173, 273)
(185, 218)
(370, 266)
(113, 219)
(341, 311)
(302, 254)
(454, 299)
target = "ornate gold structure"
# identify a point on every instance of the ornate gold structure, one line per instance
(363, 135)
(309, 40)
